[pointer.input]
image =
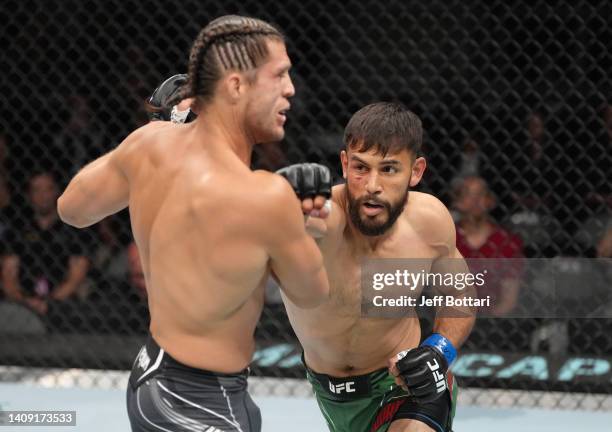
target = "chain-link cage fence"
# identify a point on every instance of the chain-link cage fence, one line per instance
(515, 93)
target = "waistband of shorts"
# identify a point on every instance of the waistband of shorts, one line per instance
(351, 387)
(165, 360)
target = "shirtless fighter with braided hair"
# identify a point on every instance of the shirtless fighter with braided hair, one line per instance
(209, 230)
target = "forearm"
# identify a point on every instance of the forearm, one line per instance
(455, 322)
(316, 228)
(454, 329)
(65, 289)
(97, 191)
(13, 290)
(10, 278)
(77, 272)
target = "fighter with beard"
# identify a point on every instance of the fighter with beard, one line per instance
(375, 374)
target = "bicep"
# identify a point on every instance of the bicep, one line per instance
(294, 255)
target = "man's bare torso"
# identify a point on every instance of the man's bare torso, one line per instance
(193, 209)
(337, 341)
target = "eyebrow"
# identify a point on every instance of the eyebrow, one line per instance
(358, 159)
(390, 162)
(286, 68)
(393, 162)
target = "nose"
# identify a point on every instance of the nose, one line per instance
(289, 89)
(372, 184)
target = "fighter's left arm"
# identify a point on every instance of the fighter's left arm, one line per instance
(422, 370)
(454, 322)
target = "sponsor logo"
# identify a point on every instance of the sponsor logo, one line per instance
(434, 367)
(346, 387)
(143, 359)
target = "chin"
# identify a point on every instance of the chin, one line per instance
(276, 137)
(271, 136)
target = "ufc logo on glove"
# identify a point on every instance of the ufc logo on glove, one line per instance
(426, 384)
(439, 378)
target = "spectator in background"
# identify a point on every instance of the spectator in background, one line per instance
(604, 250)
(122, 304)
(595, 187)
(535, 176)
(5, 210)
(604, 246)
(5, 199)
(109, 260)
(471, 163)
(478, 236)
(79, 140)
(537, 190)
(599, 171)
(471, 159)
(602, 172)
(45, 259)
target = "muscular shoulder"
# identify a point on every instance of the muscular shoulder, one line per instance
(275, 196)
(273, 186)
(432, 220)
(141, 138)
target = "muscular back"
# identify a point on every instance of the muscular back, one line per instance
(196, 217)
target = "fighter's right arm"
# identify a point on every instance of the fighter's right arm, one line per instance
(294, 256)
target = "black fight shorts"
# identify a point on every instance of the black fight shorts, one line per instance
(165, 395)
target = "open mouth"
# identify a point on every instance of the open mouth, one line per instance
(283, 112)
(372, 208)
(372, 204)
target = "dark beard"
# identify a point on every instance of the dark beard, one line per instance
(368, 228)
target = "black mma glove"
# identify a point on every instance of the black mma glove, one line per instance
(308, 179)
(423, 369)
(164, 99)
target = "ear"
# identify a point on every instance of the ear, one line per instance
(418, 168)
(344, 161)
(234, 85)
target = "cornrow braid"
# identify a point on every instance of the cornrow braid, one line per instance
(230, 42)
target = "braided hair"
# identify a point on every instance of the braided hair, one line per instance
(230, 42)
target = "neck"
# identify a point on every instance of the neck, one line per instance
(223, 130)
(366, 243)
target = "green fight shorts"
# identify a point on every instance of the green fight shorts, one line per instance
(369, 403)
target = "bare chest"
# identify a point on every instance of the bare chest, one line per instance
(347, 270)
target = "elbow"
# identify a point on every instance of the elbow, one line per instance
(68, 215)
